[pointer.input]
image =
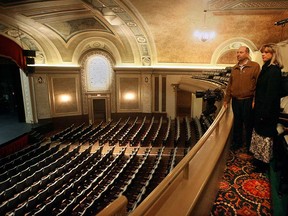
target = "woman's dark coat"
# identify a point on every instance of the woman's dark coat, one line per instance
(267, 100)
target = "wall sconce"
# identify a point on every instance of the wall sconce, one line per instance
(129, 96)
(64, 98)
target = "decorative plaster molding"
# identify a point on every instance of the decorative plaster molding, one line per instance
(26, 97)
(129, 19)
(84, 83)
(232, 44)
(25, 41)
(246, 5)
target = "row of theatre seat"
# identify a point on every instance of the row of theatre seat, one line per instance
(219, 77)
(66, 177)
(146, 132)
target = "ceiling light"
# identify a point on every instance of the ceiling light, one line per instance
(204, 34)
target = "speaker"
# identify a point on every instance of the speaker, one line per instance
(30, 70)
(31, 53)
(30, 61)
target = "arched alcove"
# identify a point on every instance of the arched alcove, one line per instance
(226, 51)
(98, 86)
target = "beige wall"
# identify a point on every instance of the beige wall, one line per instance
(284, 52)
(49, 83)
(41, 93)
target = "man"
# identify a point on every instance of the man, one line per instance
(241, 89)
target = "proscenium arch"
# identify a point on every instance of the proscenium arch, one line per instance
(82, 62)
(233, 44)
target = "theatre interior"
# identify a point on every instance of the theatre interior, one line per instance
(115, 107)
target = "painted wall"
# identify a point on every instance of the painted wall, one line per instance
(284, 52)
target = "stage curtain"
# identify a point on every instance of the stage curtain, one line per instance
(11, 50)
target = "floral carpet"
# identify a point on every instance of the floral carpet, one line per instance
(242, 191)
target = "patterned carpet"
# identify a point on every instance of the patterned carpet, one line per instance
(242, 191)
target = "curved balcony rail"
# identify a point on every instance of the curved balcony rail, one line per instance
(191, 187)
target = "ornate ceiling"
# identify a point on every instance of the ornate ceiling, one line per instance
(139, 32)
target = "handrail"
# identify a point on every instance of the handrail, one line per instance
(118, 207)
(183, 165)
(198, 145)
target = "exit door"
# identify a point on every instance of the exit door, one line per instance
(99, 110)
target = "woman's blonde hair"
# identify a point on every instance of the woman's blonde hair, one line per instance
(274, 50)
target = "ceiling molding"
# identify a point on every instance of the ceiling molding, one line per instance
(225, 5)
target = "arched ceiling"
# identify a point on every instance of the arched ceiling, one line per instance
(140, 32)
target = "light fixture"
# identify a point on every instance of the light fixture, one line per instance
(64, 98)
(204, 33)
(129, 96)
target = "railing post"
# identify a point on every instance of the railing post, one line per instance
(186, 171)
(217, 129)
(218, 122)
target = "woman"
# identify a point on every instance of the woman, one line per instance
(266, 107)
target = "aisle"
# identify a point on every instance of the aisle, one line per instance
(242, 191)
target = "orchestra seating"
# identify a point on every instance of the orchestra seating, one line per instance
(220, 77)
(83, 168)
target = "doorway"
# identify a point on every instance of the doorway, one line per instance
(99, 110)
(184, 99)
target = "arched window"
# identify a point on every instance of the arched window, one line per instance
(98, 73)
